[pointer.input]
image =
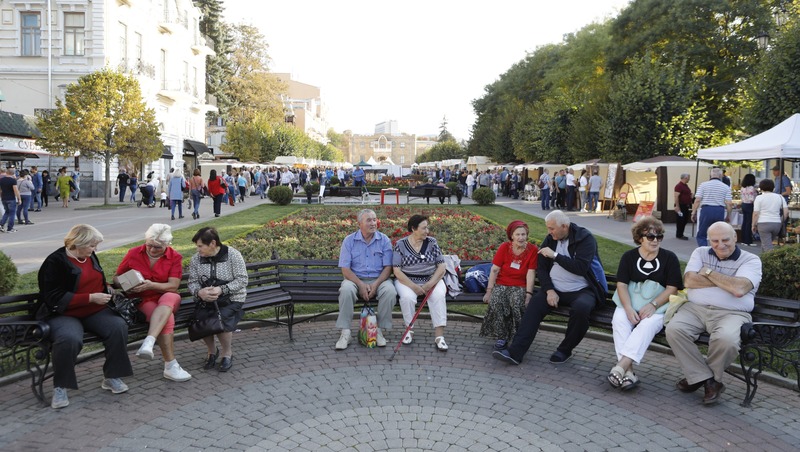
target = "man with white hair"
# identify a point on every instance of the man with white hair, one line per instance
(714, 197)
(366, 263)
(722, 281)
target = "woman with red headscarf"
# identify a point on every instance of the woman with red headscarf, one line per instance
(510, 286)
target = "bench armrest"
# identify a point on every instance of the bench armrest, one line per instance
(23, 332)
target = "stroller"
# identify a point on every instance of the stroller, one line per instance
(147, 195)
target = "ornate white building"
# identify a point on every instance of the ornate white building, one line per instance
(157, 41)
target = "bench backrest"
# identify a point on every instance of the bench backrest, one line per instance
(776, 310)
(428, 191)
(342, 191)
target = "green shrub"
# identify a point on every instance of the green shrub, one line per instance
(483, 196)
(280, 195)
(779, 277)
(333, 180)
(8, 274)
(311, 187)
(454, 187)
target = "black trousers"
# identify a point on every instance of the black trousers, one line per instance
(681, 221)
(581, 304)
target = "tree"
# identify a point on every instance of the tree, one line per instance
(445, 150)
(218, 66)
(103, 116)
(252, 88)
(774, 93)
(444, 134)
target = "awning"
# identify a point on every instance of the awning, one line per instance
(195, 148)
(167, 153)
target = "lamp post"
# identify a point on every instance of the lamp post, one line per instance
(763, 40)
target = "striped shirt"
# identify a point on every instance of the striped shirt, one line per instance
(714, 193)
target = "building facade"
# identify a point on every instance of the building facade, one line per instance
(156, 41)
(309, 113)
(400, 149)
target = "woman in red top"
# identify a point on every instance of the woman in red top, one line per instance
(73, 295)
(510, 286)
(160, 266)
(216, 188)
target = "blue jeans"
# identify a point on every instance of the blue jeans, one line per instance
(37, 199)
(179, 203)
(23, 208)
(122, 189)
(10, 213)
(196, 197)
(594, 197)
(545, 198)
(708, 216)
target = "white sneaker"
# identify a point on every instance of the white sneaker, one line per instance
(176, 373)
(114, 385)
(409, 337)
(146, 350)
(381, 341)
(60, 399)
(344, 340)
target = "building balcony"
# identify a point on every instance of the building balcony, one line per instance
(137, 67)
(171, 21)
(202, 47)
(176, 91)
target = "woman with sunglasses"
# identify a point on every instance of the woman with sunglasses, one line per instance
(160, 266)
(646, 277)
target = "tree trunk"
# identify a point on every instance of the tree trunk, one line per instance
(107, 186)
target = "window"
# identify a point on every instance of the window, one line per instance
(74, 33)
(123, 42)
(31, 34)
(402, 159)
(138, 43)
(402, 144)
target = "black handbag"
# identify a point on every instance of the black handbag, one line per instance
(126, 308)
(207, 326)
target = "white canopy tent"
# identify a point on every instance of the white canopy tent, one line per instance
(779, 142)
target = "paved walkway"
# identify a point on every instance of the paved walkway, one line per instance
(303, 395)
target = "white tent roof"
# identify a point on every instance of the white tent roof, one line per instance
(670, 160)
(781, 141)
(478, 160)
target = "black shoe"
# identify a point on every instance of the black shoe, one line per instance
(225, 365)
(29, 222)
(682, 238)
(173, 218)
(684, 386)
(560, 357)
(180, 217)
(194, 216)
(211, 362)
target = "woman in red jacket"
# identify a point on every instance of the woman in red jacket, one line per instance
(216, 188)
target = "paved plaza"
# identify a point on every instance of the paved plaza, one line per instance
(303, 395)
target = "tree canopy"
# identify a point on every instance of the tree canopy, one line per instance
(662, 78)
(103, 116)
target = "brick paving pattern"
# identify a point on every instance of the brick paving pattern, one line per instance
(306, 396)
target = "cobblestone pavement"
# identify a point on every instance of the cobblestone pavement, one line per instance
(303, 395)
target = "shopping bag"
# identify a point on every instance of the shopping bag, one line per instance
(368, 332)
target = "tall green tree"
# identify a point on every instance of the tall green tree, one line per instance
(103, 116)
(444, 134)
(774, 92)
(253, 89)
(218, 66)
(444, 150)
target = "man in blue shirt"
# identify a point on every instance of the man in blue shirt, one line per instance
(366, 263)
(36, 177)
(783, 185)
(358, 177)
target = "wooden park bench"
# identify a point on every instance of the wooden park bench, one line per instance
(343, 192)
(25, 342)
(427, 193)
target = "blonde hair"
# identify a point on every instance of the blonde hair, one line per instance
(161, 233)
(82, 235)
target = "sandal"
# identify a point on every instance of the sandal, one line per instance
(500, 344)
(630, 381)
(409, 337)
(616, 376)
(441, 344)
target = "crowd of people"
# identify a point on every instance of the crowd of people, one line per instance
(764, 206)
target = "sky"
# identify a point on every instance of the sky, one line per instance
(412, 61)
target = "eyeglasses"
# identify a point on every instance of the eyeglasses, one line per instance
(154, 246)
(651, 237)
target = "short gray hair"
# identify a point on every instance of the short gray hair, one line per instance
(559, 217)
(363, 212)
(684, 175)
(160, 233)
(716, 173)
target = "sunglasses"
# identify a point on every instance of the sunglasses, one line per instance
(651, 237)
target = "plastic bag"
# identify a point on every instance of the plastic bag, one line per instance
(368, 332)
(477, 278)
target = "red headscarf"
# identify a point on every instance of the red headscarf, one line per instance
(513, 227)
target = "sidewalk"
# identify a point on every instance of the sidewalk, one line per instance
(303, 395)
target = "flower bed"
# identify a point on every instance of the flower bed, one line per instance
(317, 233)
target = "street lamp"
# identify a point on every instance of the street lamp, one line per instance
(763, 40)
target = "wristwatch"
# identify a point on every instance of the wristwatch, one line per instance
(654, 304)
(707, 272)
